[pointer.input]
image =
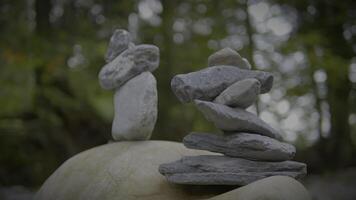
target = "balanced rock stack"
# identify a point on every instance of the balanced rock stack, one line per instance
(128, 72)
(251, 149)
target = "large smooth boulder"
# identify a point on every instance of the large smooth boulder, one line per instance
(129, 170)
(272, 188)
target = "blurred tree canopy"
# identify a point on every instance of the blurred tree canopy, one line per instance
(52, 51)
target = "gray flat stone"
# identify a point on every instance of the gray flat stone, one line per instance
(228, 56)
(243, 145)
(235, 119)
(240, 94)
(208, 83)
(119, 42)
(130, 63)
(135, 108)
(222, 170)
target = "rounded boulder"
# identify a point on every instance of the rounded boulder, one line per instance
(129, 170)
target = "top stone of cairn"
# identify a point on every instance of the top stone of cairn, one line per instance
(119, 42)
(227, 56)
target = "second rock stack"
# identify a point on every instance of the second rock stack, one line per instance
(251, 149)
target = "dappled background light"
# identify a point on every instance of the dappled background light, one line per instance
(51, 52)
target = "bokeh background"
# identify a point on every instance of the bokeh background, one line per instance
(52, 50)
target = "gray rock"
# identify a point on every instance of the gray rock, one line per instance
(208, 83)
(243, 145)
(222, 170)
(130, 63)
(128, 171)
(135, 108)
(240, 94)
(235, 119)
(227, 56)
(271, 188)
(119, 42)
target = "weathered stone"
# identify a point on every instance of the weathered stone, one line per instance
(243, 145)
(271, 188)
(119, 42)
(128, 170)
(227, 56)
(130, 63)
(208, 83)
(120, 171)
(240, 94)
(135, 108)
(235, 119)
(222, 170)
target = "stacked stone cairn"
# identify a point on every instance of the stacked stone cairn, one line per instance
(128, 73)
(249, 149)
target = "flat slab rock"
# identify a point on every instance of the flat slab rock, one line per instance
(241, 94)
(208, 83)
(243, 145)
(235, 119)
(130, 63)
(223, 170)
(135, 108)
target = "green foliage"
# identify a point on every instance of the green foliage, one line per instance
(51, 53)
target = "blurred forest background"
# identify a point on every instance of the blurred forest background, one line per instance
(52, 50)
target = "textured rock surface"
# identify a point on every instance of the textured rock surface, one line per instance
(119, 42)
(122, 171)
(135, 108)
(222, 170)
(208, 83)
(240, 94)
(128, 170)
(271, 188)
(235, 119)
(243, 145)
(228, 56)
(130, 63)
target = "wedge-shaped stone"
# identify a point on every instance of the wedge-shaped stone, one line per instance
(243, 145)
(240, 94)
(119, 42)
(228, 56)
(208, 83)
(130, 63)
(223, 170)
(235, 119)
(135, 108)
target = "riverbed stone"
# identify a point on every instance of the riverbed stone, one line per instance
(228, 56)
(208, 83)
(128, 170)
(240, 94)
(130, 63)
(235, 119)
(271, 188)
(223, 170)
(119, 42)
(135, 108)
(243, 145)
